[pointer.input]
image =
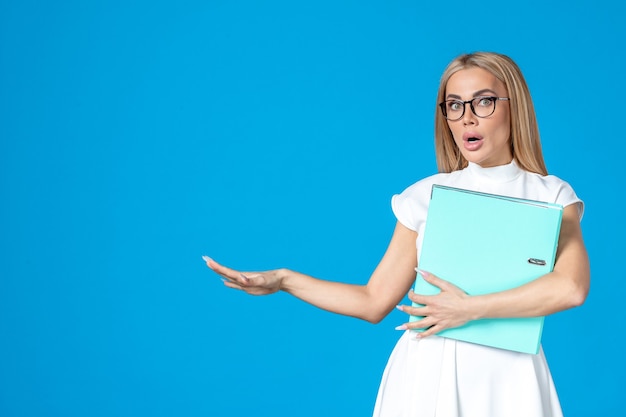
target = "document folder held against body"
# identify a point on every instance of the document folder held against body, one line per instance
(485, 243)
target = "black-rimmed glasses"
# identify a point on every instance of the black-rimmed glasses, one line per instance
(482, 106)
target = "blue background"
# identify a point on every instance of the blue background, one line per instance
(136, 137)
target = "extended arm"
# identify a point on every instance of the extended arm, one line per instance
(388, 284)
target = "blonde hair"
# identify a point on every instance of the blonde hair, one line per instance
(525, 142)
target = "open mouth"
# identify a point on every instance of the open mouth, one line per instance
(472, 141)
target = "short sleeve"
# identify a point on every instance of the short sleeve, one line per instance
(566, 196)
(410, 206)
(401, 207)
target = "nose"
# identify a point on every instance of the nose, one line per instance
(468, 115)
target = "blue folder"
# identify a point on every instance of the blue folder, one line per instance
(486, 243)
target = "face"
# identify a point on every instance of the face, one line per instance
(484, 141)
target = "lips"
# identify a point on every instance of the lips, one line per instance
(472, 141)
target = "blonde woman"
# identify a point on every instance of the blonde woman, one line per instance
(487, 140)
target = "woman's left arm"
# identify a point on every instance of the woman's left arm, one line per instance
(565, 287)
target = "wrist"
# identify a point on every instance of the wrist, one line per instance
(284, 275)
(475, 307)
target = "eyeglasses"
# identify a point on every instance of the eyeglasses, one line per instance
(482, 106)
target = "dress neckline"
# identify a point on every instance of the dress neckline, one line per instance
(500, 173)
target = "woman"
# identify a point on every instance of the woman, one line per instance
(487, 140)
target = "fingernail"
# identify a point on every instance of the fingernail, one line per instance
(402, 327)
(399, 307)
(206, 259)
(422, 273)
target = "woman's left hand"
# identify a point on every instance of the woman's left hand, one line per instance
(445, 310)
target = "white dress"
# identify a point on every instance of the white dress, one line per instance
(439, 377)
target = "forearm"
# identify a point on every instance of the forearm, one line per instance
(546, 295)
(566, 287)
(346, 299)
(372, 302)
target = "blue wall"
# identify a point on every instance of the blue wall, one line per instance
(136, 137)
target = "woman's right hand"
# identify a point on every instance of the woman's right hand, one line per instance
(254, 283)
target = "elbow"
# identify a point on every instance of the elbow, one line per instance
(578, 294)
(572, 286)
(578, 297)
(375, 316)
(374, 319)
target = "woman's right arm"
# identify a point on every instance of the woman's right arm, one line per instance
(387, 285)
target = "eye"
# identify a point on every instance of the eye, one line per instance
(483, 101)
(454, 105)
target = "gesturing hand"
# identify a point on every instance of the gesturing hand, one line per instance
(445, 310)
(255, 283)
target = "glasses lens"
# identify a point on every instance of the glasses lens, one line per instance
(453, 109)
(484, 106)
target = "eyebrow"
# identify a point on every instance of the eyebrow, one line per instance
(476, 94)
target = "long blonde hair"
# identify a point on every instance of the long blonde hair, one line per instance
(525, 142)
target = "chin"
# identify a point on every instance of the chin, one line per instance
(474, 158)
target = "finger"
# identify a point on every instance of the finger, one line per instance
(232, 285)
(429, 332)
(419, 298)
(435, 280)
(418, 312)
(248, 280)
(241, 278)
(226, 272)
(422, 324)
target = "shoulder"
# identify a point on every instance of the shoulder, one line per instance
(421, 189)
(411, 205)
(424, 186)
(553, 189)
